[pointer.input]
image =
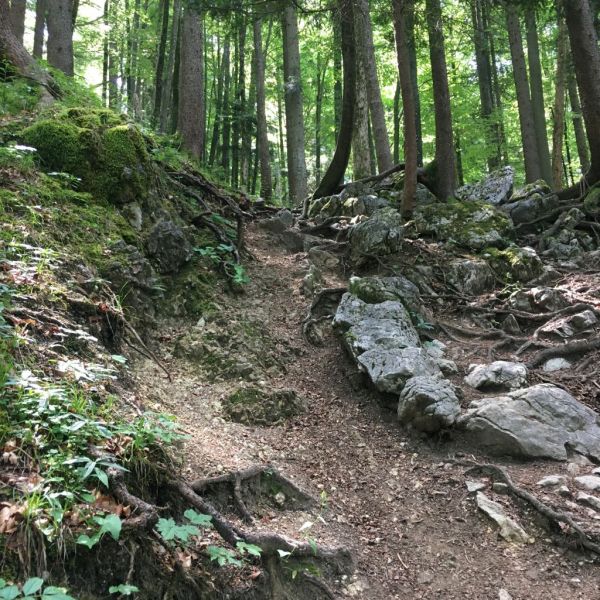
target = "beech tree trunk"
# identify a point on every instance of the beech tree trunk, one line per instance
(191, 83)
(18, 8)
(528, 134)
(40, 28)
(558, 130)
(262, 138)
(294, 116)
(403, 16)
(364, 38)
(339, 162)
(586, 60)
(60, 35)
(537, 94)
(444, 142)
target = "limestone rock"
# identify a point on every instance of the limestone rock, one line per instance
(551, 481)
(498, 376)
(428, 404)
(470, 276)
(168, 246)
(380, 289)
(510, 530)
(379, 235)
(323, 259)
(283, 220)
(587, 500)
(556, 364)
(514, 263)
(540, 421)
(495, 189)
(588, 482)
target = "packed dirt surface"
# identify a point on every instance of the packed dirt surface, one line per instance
(396, 500)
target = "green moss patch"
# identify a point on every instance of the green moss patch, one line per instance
(514, 263)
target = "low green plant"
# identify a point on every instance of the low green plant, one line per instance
(110, 524)
(32, 589)
(124, 589)
(223, 254)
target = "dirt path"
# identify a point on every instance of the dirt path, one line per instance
(397, 501)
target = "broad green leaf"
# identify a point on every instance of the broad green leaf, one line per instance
(123, 588)
(101, 476)
(198, 518)
(166, 528)
(32, 585)
(89, 542)
(245, 548)
(9, 592)
(111, 524)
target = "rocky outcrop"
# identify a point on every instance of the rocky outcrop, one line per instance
(379, 235)
(495, 189)
(168, 246)
(375, 290)
(542, 421)
(470, 276)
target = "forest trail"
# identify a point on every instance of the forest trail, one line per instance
(397, 501)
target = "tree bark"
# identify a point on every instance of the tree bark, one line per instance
(191, 83)
(412, 57)
(397, 119)
(586, 60)
(578, 126)
(160, 60)
(165, 103)
(18, 8)
(528, 134)
(40, 28)
(537, 94)
(337, 71)
(296, 161)
(218, 106)
(558, 129)
(239, 105)
(403, 17)
(339, 162)
(444, 141)
(361, 160)
(321, 72)
(364, 38)
(262, 138)
(60, 35)
(226, 110)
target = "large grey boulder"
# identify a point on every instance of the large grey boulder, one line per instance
(375, 290)
(495, 189)
(428, 404)
(542, 421)
(515, 263)
(390, 369)
(501, 375)
(470, 276)
(283, 220)
(379, 235)
(168, 246)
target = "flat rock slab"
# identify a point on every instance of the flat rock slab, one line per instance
(509, 529)
(500, 375)
(540, 421)
(588, 482)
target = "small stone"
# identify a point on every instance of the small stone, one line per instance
(475, 486)
(564, 491)
(280, 498)
(504, 595)
(511, 325)
(551, 481)
(556, 364)
(510, 530)
(596, 471)
(589, 501)
(588, 482)
(500, 488)
(425, 577)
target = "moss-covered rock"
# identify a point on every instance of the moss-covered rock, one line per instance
(257, 406)
(514, 263)
(592, 200)
(109, 156)
(474, 225)
(379, 235)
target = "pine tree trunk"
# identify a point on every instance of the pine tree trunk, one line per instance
(262, 139)
(403, 17)
(60, 35)
(528, 137)
(191, 84)
(578, 126)
(558, 130)
(537, 94)
(18, 8)
(160, 60)
(444, 140)
(364, 38)
(294, 116)
(40, 28)
(165, 104)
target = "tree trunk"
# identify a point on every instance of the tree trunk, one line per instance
(403, 17)
(105, 53)
(321, 72)
(397, 119)
(578, 126)
(364, 38)
(160, 61)
(175, 99)
(40, 28)
(528, 137)
(339, 162)
(262, 139)
(113, 61)
(586, 60)
(18, 8)
(226, 110)
(537, 94)
(294, 116)
(444, 141)
(239, 105)
(191, 84)
(218, 106)
(558, 130)
(412, 57)
(337, 71)
(361, 159)
(60, 35)
(165, 103)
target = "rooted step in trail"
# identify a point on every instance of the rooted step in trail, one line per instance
(400, 502)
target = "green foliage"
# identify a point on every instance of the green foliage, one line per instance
(16, 94)
(110, 524)
(223, 556)
(124, 589)
(223, 255)
(32, 589)
(170, 531)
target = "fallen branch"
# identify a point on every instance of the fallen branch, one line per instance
(500, 475)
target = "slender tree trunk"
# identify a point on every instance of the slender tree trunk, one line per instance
(294, 116)
(537, 94)
(18, 8)
(339, 162)
(262, 139)
(403, 17)
(160, 60)
(321, 72)
(105, 54)
(218, 106)
(176, 80)
(165, 104)
(191, 83)
(226, 111)
(578, 126)
(60, 35)
(558, 129)
(40, 28)
(444, 141)
(397, 119)
(528, 134)
(239, 102)
(586, 60)
(361, 159)
(337, 71)
(412, 55)
(248, 121)
(113, 61)
(364, 38)
(281, 188)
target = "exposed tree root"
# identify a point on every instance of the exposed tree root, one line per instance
(555, 518)
(564, 350)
